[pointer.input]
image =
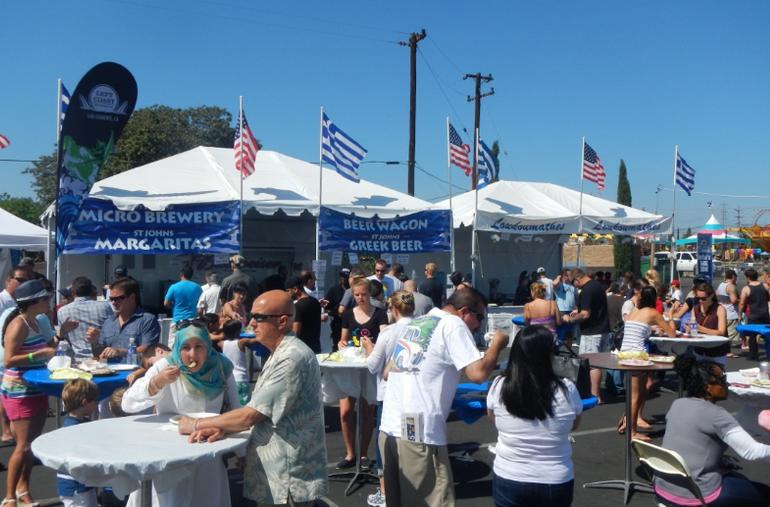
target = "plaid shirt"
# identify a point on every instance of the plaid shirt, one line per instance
(88, 313)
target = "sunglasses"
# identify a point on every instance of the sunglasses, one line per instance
(20, 279)
(261, 317)
(117, 299)
(190, 322)
(379, 270)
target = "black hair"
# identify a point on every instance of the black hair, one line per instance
(648, 297)
(696, 375)
(306, 276)
(375, 288)
(186, 271)
(615, 288)
(20, 307)
(240, 288)
(730, 274)
(232, 329)
(751, 274)
(529, 383)
(150, 350)
(456, 278)
(470, 298)
(210, 318)
(82, 287)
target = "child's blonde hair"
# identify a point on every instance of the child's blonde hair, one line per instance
(77, 392)
(116, 398)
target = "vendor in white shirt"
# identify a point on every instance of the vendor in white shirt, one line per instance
(194, 378)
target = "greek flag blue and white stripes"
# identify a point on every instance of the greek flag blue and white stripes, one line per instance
(487, 166)
(65, 103)
(685, 175)
(340, 150)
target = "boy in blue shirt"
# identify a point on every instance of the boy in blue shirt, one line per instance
(80, 398)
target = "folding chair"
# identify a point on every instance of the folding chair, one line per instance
(666, 464)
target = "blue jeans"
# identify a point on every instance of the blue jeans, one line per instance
(737, 491)
(529, 494)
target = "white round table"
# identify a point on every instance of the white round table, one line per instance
(756, 399)
(126, 453)
(679, 344)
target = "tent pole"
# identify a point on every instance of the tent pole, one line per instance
(673, 219)
(240, 176)
(451, 213)
(474, 236)
(320, 188)
(580, 213)
(57, 274)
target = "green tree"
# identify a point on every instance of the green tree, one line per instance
(624, 251)
(496, 157)
(23, 207)
(151, 134)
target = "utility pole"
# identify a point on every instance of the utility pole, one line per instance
(414, 38)
(477, 98)
(738, 216)
(724, 214)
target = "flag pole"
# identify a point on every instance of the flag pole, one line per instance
(55, 277)
(320, 186)
(240, 175)
(673, 217)
(474, 236)
(580, 213)
(451, 212)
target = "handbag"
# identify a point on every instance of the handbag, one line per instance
(569, 365)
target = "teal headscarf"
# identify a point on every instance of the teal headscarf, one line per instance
(211, 379)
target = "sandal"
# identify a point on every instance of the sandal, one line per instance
(6, 501)
(22, 503)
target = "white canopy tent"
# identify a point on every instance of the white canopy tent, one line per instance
(20, 234)
(523, 207)
(279, 182)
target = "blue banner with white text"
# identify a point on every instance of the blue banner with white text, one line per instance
(101, 228)
(424, 231)
(705, 256)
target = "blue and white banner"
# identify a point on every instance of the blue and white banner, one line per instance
(101, 228)
(705, 256)
(425, 231)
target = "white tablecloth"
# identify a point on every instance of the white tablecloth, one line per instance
(122, 452)
(755, 400)
(340, 379)
(679, 345)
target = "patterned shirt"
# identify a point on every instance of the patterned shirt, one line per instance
(287, 452)
(88, 313)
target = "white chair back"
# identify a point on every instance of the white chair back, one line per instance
(667, 464)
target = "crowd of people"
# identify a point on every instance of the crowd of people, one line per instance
(419, 342)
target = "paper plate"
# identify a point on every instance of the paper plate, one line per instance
(662, 359)
(122, 367)
(635, 362)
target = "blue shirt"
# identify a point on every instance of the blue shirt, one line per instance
(142, 326)
(565, 297)
(66, 486)
(184, 296)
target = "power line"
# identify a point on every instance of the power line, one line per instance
(669, 189)
(441, 89)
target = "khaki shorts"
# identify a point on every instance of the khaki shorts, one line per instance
(732, 332)
(416, 474)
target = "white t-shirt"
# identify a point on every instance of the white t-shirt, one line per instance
(236, 356)
(425, 369)
(209, 299)
(6, 301)
(548, 287)
(383, 349)
(627, 308)
(532, 450)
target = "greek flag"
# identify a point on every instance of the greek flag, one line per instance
(685, 175)
(65, 103)
(487, 167)
(340, 150)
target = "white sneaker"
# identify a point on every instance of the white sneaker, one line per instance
(377, 499)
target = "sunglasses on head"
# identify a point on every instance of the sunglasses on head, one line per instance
(261, 317)
(191, 322)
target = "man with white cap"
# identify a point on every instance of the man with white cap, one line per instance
(545, 281)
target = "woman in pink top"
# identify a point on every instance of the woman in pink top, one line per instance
(540, 310)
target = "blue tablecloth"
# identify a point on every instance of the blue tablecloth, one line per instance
(761, 329)
(257, 348)
(41, 379)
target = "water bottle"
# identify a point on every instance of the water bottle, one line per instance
(131, 357)
(62, 349)
(693, 324)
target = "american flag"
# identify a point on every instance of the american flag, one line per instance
(458, 151)
(244, 160)
(593, 170)
(685, 175)
(4, 142)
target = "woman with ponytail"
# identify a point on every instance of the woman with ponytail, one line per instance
(701, 431)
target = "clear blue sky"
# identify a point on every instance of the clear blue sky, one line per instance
(634, 78)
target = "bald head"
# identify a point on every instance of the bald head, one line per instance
(274, 302)
(410, 286)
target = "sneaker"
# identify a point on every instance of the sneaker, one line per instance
(346, 463)
(376, 499)
(366, 464)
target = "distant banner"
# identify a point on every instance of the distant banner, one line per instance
(425, 231)
(100, 107)
(101, 228)
(705, 256)
(514, 224)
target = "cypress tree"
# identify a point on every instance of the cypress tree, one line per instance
(624, 251)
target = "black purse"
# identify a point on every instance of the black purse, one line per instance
(568, 365)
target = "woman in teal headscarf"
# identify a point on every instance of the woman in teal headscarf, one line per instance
(194, 378)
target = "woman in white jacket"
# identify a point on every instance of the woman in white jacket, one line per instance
(193, 378)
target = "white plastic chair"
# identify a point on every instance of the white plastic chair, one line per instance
(666, 464)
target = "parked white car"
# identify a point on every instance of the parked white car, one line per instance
(686, 262)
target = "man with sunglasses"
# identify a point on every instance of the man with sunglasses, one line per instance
(424, 370)
(380, 274)
(89, 313)
(129, 321)
(16, 277)
(286, 456)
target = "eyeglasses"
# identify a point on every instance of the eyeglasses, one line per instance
(191, 322)
(261, 317)
(379, 270)
(117, 299)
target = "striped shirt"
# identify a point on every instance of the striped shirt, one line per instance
(635, 336)
(13, 386)
(89, 313)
